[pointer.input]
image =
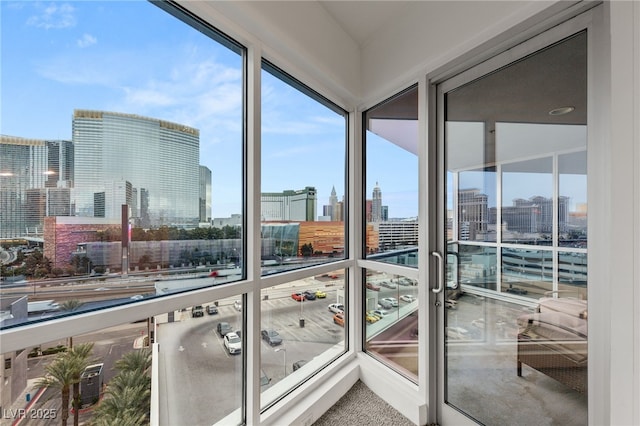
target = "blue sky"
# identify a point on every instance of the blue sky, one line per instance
(132, 57)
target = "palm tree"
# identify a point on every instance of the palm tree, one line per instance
(60, 375)
(128, 397)
(130, 390)
(80, 355)
(139, 360)
(122, 407)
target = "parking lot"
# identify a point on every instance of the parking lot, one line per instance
(194, 361)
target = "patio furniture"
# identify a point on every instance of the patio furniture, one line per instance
(553, 340)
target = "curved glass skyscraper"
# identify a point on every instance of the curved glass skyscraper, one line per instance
(152, 165)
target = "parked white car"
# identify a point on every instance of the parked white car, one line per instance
(392, 300)
(388, 284)
(336, 308)
(408, 298)
(380, 313)
(233, 343)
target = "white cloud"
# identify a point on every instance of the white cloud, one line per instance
(53, 15)
(148, 97)
(86, 40)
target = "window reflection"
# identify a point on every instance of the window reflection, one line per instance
(391, 320)
(572, 272)
(526, 272)
(572, 203)
(527, 202)
(477, 205)
(475, 265)
(516, 299)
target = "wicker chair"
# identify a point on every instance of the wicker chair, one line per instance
(554, 341)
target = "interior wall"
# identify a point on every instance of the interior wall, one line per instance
(623, 253)
(433, 33)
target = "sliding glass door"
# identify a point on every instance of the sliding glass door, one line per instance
(512, 310)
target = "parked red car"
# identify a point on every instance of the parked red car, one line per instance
(372, 286)
(298, 297)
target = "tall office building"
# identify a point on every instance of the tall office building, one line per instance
(334, 210)
(333, 204)
(58, 202)
(59, 178)
(472, 213)
(35, 179)
(376, 204)
(60, 164)
(397, 234)
(289, 205)
(533, 215)
(108, 203)
(23, 167)
(145, 218)
(205, 194)
(109, 147)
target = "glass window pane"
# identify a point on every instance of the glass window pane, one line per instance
(201, 350)
(572, 273)
(572, 200)
(476, 265)
(114, 366)
(303, 329)
(303, 175)
(391, 321)
(527, 272)
(391, 159)
(477, 205)
(121, 156)
(517, 299)
(527, 202)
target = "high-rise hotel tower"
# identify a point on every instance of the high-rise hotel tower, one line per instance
(157, 158)
(35, 180)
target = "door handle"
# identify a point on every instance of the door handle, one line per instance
(440, 278)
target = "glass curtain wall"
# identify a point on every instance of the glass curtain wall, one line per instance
(121, 163)
(303, 205)
(125, 150)
(303, 215)
(390, 302)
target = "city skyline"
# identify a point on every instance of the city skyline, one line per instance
(74, 60)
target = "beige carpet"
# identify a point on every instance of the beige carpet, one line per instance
(360, 406)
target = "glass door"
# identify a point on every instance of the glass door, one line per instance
(512, 313)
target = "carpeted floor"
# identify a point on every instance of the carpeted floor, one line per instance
(360, 406)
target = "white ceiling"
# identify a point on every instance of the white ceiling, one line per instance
(362, 19)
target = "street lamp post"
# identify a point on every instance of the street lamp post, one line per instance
(284, 351)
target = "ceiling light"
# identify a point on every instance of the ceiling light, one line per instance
(562, 110)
